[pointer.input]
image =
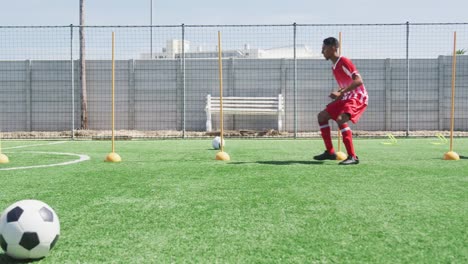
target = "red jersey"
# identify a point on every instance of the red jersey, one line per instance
(343, 70)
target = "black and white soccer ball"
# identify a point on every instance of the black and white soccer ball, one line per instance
(29, 229)
(216, 143)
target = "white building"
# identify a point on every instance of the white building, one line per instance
(173, 50)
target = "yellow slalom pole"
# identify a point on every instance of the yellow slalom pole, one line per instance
(220, 68)
(113, 157)
(451, 155)
(221, 155)
(339, 154)
(3, 158)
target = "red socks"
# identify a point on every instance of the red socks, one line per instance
(347, 139)
(326, 135)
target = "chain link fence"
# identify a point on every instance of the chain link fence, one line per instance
(163, 75)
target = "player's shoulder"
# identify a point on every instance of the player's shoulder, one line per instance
(344, 59)
(346, 62)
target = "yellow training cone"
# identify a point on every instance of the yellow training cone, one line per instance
(3, 159)
(451, 155)
(222, 156)
(113, 157)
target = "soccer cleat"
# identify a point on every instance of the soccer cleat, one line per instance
(350, 161)
(325, 156)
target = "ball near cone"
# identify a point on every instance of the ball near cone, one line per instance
(222, 156)
(113, 157)
(341, 155)
(451, 155)
(3, 159)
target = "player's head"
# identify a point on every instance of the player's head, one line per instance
(330, 47)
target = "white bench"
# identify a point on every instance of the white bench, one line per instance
(245, 106)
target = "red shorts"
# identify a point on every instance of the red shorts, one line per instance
(353, 107)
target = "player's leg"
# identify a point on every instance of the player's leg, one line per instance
(329, 154)
(347, 139)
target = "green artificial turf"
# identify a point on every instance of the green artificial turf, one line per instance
(171, 201)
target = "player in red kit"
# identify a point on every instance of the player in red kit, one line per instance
(349, 102)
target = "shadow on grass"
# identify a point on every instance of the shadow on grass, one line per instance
(461, 157)
(281, 162)
(4, 259)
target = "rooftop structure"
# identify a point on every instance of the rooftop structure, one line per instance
(173, 50)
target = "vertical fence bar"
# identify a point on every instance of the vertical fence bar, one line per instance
(151, 29)
(72, 84)
(295, 79)
(407, 80)
(183, 82)
(29, 116)
(131, 94)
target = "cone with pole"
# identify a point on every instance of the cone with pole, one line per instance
(221, 155)
(452, 155)
(113, 157)
(339, 154)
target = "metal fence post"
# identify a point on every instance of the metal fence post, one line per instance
(183, 82)
(441, 82)
(28, 94)
(388, 94)
(295, 80)
(131, 94)
(407, 80)
(72, 84)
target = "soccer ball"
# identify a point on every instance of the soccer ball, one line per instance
(216, 143)
(29, 229)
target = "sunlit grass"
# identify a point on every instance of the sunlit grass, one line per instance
(170, 201)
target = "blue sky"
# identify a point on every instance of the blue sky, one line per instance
(174, 12)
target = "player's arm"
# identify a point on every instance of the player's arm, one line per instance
(357, 81)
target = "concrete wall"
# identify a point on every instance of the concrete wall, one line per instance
(37, 95)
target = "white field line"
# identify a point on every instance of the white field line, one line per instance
(27, 146)
(81, 159)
